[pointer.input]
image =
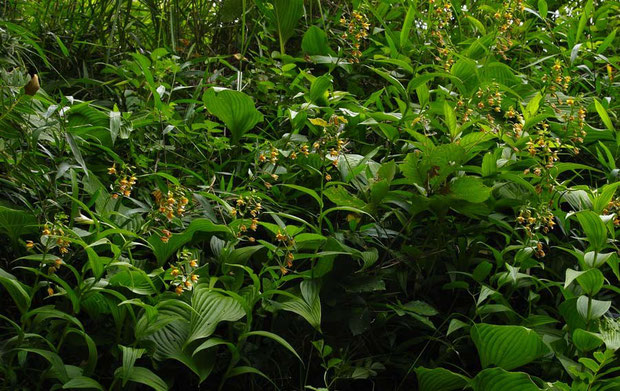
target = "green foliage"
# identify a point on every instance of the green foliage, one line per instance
(309, 194)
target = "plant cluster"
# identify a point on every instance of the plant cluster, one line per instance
(310, 195)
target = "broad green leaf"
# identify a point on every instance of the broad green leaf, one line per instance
(14, 223)
(594, 229)
(82, 382)
(591, 308)
(532, 106)
(315, 42)
(235, 109)
(439, 379)
(542, 8)
(507, 347)
(319, 90)
(285, 15)
(450, 116)
(591, 281)
(16, 290)
(470, 189)
(603, 114)
(476, 24)
(130, 355)
(308, 306)
(211, 308)
(148, 378)
(57, 367)
(497, 379)
(585, 340)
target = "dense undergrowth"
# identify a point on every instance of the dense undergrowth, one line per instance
(309, 194)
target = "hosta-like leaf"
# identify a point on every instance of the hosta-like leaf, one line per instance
(585, 340)
(308, 306)
(507, 347)
(591, 308)
(235, 109)
(130, 355)
(148, 378)
(439, 379)
(594, 229)
(82, 382)
(15, 223)
(211, 308)
(497, 379)
(315, 42)
(16, 289)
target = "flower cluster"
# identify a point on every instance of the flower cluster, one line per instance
(248, 206)
(288, 243)
(544, 146)
(536, 219)
(174, 203)
(613, 208)
(182, 272)
(356, 31)
(508, 25)
(123, 185)
(557, 80)
(440, 17)
(486, 101)
(56, 232)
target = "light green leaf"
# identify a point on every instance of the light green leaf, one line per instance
(507, 347)
(235, 109)
(594, 228)
(449, 114)
(593, 309)
(603, 114)
(470, 189)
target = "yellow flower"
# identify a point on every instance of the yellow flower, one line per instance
(29, 244)
(178, 290)
(112, 170)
